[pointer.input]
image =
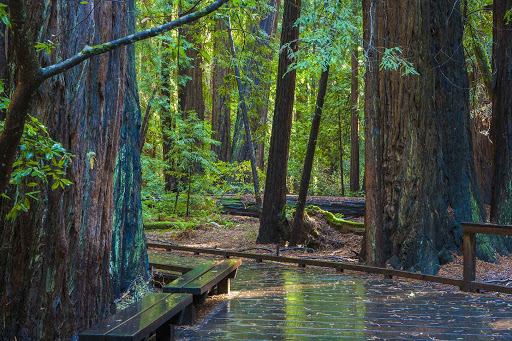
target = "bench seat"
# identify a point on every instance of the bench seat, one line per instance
(155, 312)
(201, 280)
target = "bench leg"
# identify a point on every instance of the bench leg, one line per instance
(165, 333)
(199, 299)
(224, 286)
(187, 316)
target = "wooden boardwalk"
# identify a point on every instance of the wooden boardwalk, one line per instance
(275, 302)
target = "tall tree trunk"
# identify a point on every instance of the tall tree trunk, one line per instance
(245, 119)
(501, 128)
(190, 91)
(221, 113)
(300, 231)
(166, 117)
(129, 259)
(340, 151)
(273, 224)
(354, 106)
(55, 260)
(420, 126)
(376, 243)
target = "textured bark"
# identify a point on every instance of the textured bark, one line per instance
(221, 113)
(190, 94)
(421, 127)
(55, 260)
(354, 116)
(273, 224)
(501, 129)
(300, 231)
(483, 154)
(341, 156)
(129, 259)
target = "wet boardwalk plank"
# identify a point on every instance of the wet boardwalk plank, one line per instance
(274, 302)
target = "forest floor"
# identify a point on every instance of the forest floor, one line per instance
(242, 232)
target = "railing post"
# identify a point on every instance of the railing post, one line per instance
(469, 256)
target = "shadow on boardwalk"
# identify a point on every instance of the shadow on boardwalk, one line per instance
(275, 302)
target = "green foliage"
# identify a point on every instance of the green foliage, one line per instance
(508, 17)
(328, 31)
(393, 60)
(4, 15)
(41, 161)
(231, 178)
(46, 46)
(166, 207)
(4, 100)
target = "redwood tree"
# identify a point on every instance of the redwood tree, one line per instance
(273, 224)
(190, 72)
(501, 128)
(129, 259)
(419, 176)
(354, 109)
(55, 259)
(221, 113)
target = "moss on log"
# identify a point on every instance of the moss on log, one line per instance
(336, 221)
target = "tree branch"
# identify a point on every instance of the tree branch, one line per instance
(90, 51)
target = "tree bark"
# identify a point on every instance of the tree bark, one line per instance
(300, 231)
(501, 128)
(354, 106)
(273, 224)
(190, 74)
(423, 185)
(56, 258)
(340, 152)
(221, 113)
(129, 259)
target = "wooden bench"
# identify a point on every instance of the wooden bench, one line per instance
(154, 314)
(207, 278)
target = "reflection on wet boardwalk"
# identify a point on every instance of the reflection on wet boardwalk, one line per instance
(274, 302)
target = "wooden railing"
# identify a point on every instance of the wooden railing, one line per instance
(467, 283)
(470, 230)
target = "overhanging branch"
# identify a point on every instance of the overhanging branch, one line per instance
(90, 51)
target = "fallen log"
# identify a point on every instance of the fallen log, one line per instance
(349, 207)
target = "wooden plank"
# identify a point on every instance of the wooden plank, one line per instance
(148, 321)
(490, 287)
(103, 328)
(469, 252)
(204, 283)
(190, 276)
(487, 229)
(158, 262)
